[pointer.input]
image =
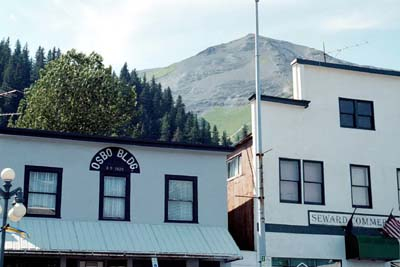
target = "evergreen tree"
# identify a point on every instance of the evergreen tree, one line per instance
(244, 132)
(156, 94)
(180, 117)
(49, 57)
(215, 136)
(136, 82)
(124, 74)
(225, 141)
(5, 55)
(38, 64)
(12, 77)
(167, 101)
(194, 133)
(178, 136)
(205, 133)
(156, 114)
(26, 66)
(165, 128)
(16, 77)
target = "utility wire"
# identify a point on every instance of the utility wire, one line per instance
(11, 92)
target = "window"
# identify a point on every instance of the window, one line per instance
(114, 197)
(360, 186)
(43, 191)
(180, 198)
(234, 166)
(287, 262)
(356, 114)
(289, 170)
(313, 176)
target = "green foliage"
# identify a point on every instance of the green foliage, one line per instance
(225, 141)
(229, 119)
(215, 136)
(76, 93)
(124, 74)
(18, 71)
(39, 64)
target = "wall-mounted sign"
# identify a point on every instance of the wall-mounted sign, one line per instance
(114, 159)
(154, 262)
(341, 219)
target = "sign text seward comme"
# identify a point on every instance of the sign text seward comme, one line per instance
(341, 219)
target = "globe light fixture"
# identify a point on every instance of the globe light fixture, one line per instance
(7, 174)
(18, 209)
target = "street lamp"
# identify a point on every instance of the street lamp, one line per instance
(16, 212)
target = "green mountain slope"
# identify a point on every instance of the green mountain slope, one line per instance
(229, 119)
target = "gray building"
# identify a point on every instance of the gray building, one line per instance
(102, 201)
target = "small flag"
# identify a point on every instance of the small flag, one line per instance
(10, 229)
(392, 227)
(349, 226)
(394, 264)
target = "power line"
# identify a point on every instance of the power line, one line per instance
(340, 50)
(9, 114)
(11, 92)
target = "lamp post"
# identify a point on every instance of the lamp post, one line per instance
(16, 212)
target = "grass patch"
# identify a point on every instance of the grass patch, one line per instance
(229, 119)
(161, 72)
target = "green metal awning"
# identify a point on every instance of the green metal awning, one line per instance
(364, 247)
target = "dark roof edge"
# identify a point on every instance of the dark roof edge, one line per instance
(346, 67)
(107, 139)
(282, 100)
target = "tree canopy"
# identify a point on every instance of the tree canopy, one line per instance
(76, 93)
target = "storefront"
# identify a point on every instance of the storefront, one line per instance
(328, 152)
(112, 202)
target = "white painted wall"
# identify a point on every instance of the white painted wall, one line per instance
(249, 260)
(80, 186)
(315, 134)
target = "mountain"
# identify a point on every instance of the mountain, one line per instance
(219, 79)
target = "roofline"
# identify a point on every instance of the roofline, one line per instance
(244, 140)
(346, 67)
(282, 100)
(114, 140)
(124, 254)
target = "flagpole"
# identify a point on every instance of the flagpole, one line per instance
(261, 251)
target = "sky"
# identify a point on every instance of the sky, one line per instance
(156, 33)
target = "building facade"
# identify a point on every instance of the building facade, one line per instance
(100, 201)
(331, 154)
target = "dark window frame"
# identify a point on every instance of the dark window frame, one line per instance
(290, 261)
(310, 182)
(127, 196)
(193, 179)
(59, 172)
(299, 201)
(398, 185)
(237, 157)
(356, 115)
(370, 206)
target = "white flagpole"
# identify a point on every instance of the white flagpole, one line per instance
(261, 252)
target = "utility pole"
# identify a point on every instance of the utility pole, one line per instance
(261, 252)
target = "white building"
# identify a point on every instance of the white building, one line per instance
(102, 201)
(330, 150)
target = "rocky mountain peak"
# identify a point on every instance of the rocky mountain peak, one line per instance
(223, 75)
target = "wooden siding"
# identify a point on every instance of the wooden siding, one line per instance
(240, 207)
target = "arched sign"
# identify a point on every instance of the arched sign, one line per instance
(114, 159)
